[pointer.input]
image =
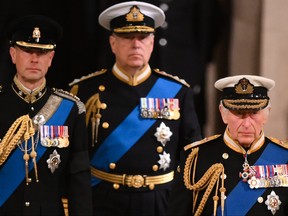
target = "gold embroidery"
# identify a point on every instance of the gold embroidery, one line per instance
(244, 87)
(134, 15)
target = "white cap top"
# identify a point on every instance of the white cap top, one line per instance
(255, 80)
(121, 9)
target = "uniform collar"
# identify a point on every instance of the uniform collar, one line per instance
(30, 96)
(135, 80)
(233, 144)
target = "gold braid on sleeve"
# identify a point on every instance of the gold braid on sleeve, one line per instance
(208, 181)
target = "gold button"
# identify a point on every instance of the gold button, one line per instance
(225, 156)
(159, 149)
(178, 169)
(151, 186)
(103, 105)
(155, 168)
(223, 176)
(260, 200)
(116, 186)
(112, 165)
(105, 125)
(102, 88)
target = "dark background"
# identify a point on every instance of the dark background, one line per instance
(194, 29)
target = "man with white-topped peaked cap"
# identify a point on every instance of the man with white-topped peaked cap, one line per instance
(138, 118)
(245, 172)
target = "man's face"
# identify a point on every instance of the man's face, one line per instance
(132, 50)
(245, 125)
(31, 64)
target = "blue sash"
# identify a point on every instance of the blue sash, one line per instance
(120, 140)
(13, 171)
(241, 199)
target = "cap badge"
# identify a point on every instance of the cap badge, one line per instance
(244, 87)
(134, 15)
(36, 34)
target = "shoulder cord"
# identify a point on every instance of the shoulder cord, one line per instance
(93, 106)
(22, 127)
(208, 181)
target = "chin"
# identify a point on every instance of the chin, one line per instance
(246, 143)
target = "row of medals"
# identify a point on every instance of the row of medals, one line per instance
(261, 180)
(54, 136)
(163, 108)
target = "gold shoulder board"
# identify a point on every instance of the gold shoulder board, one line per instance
(197, 143)
(97, 73)
(173, 77)
(282, 143)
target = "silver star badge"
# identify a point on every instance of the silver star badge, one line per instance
(39, 120)
(164, 160)
(53, 161)
(163, 134)
(273, 202)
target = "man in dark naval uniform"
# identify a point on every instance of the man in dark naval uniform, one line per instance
(241, 172)
(43, 149)
(138, 118)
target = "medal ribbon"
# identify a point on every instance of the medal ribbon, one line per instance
(121, 140)
(13, 172)
(241, 199)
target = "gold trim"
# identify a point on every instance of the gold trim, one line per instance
(129, 29)
(132, 80)
(32, 96)
(209, 181)
(171, 76)
(244, 87)
(97, 73)
(283, 143)
(136, 181)
(134, 15)
(249, 104)
(199, 142)
(34, 45)
(234, 145)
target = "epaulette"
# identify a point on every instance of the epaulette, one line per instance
(96, 73)
(68, 95)
(197, 143)
(173, 77)
(281, 143)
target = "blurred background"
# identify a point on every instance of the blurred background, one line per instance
(201, 41)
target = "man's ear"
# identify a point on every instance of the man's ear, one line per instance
(12, 52)
(223, 113)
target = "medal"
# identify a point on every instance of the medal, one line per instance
(163, 134)
(163, 108)
(273, 202)
(53, 161)
(265, 176)
(54, 136)
(164, 160)
(246, 170)
(176, 115)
